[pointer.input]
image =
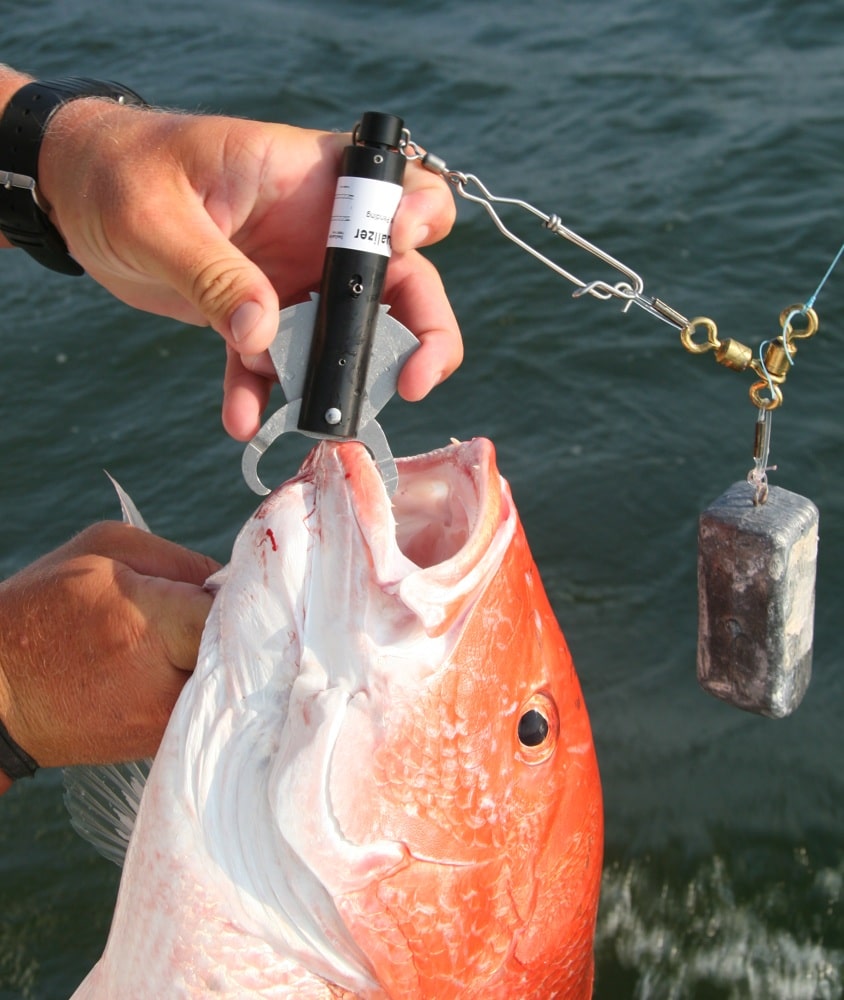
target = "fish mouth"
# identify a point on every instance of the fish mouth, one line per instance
(441, 537)
(436, 540)
(439, 500)
(443, 498)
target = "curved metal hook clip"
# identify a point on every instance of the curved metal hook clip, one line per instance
(629, 289)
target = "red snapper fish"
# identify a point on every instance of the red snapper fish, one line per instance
(380, 781)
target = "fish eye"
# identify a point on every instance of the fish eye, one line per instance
(538, 728)
(533, 728)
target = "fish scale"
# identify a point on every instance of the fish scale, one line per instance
(453, 931)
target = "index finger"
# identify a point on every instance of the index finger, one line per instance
(426, 211)
(418, 299)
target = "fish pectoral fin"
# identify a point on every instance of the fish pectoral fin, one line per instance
(131, 514)
(103, 802)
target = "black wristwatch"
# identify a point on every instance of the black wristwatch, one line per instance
(23, 219)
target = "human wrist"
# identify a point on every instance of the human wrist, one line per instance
(24, 208)
(15, 762)
(10, 82)
(5, 689)
(68, 155)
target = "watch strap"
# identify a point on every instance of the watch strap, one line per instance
(15, 762)
(23, 221)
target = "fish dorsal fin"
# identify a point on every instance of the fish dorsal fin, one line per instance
(103, 800)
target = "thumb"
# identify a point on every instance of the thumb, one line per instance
(179, 611)
(227, 289)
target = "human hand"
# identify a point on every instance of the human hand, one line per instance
(224, 221)
(96, 641)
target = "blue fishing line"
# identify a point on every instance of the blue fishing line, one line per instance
(801, 311)
(811, 300)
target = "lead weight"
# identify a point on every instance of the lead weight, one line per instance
(756, 598)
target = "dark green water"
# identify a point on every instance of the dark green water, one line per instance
(700, 143)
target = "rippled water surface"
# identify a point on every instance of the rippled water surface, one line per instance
(699, 143)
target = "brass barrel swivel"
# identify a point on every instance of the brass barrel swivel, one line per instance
(771, 367)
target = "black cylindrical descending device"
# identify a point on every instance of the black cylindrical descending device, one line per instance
(357, 253)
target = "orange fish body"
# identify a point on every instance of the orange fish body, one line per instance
(406, 737)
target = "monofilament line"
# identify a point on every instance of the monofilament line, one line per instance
(811, 301)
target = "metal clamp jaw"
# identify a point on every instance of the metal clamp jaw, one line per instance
(392, 345)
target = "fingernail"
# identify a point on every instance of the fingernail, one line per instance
(420, 237)
(244, 320)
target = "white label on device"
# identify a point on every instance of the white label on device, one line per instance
(363, 214)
